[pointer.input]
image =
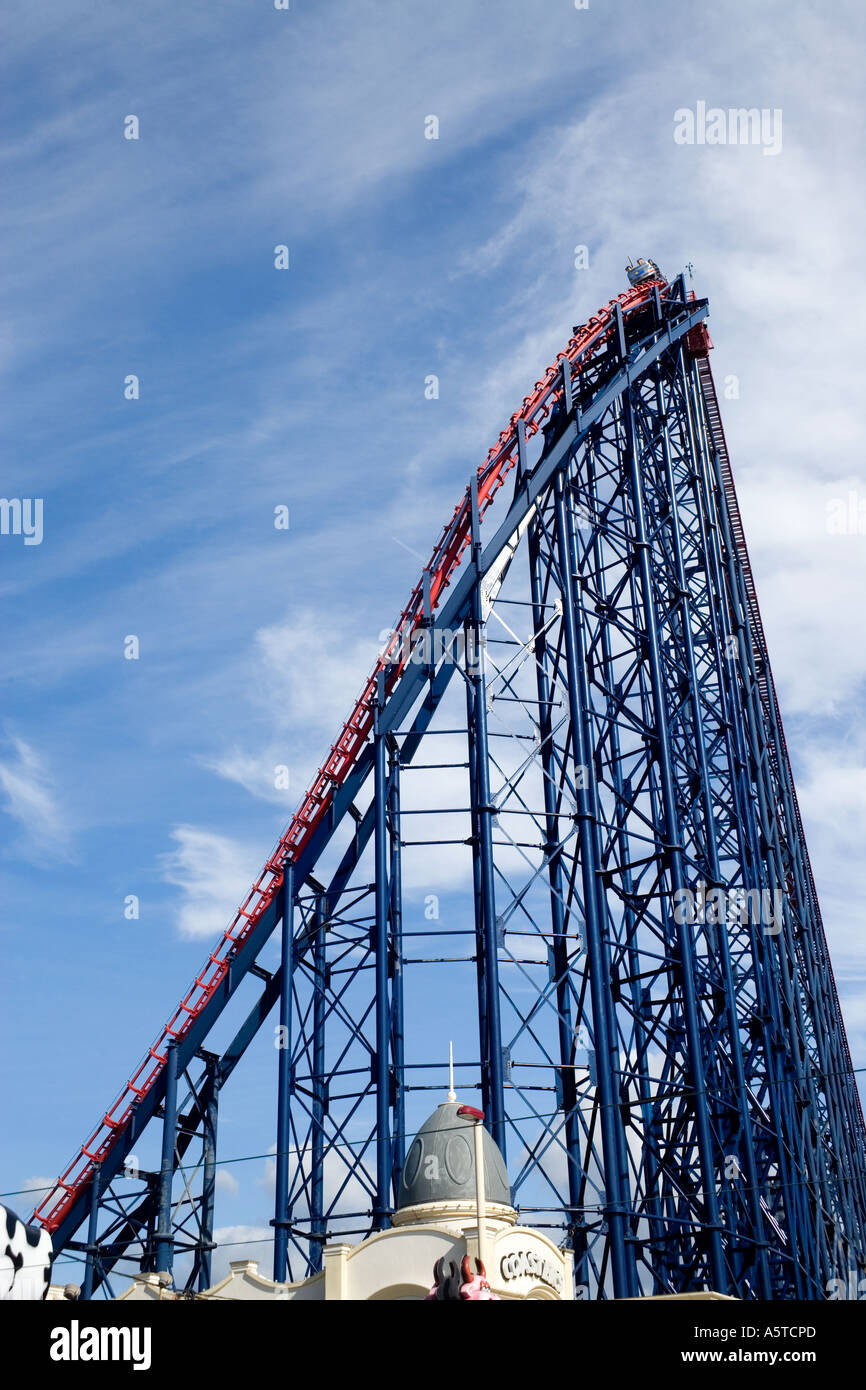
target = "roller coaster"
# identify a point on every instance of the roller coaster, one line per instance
(581, 674)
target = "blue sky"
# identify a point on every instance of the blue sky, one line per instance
(306, 388)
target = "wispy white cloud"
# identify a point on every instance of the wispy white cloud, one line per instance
(304, 673)
(29, 785)
(832, 796)
(213, 873)
(37, 1184)
(225, 1182)
(260, 774)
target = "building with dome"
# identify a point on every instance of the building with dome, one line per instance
(435, 1230)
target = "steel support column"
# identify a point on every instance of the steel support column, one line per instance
(92, 1244)
(209, 1152)
(281, 1219)
(165, 1235)
(382, 1205)
(475, 840)
(483, 814)
(317, 1188)
(396, 972)
(560, 941)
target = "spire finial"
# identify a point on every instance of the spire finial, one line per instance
(451, 1093)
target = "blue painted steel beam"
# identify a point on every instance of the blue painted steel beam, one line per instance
(92, 1247)
(317, 1183)
(477, 891)
(396, 973)
(380, 944)
(164, 1235)
(210, 1121)
(553, 856)
(483, 812)
(282, 1218)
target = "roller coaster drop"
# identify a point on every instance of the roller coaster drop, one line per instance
(583, 665)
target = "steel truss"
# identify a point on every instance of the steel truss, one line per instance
(649, 1009)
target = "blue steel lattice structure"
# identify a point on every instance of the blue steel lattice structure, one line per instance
(581, 721)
